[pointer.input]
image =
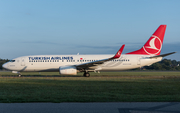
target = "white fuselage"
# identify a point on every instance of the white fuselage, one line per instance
(71, 64)
(53, 62)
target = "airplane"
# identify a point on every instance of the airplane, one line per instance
(72, 64)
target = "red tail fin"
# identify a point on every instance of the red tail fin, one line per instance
(154, 44)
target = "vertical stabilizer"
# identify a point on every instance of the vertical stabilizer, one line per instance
(154, 44)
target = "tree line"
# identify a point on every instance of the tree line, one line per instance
(2, 61)
(165, 64)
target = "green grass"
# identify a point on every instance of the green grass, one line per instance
(103, 87)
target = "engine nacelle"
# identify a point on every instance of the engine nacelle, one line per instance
(68, 70)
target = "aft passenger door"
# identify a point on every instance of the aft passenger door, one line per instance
(138, 60)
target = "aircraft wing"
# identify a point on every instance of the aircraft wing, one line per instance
(98, 62)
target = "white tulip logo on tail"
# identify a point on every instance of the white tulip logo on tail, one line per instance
(153, 46)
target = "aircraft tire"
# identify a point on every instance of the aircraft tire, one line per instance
(86, 74)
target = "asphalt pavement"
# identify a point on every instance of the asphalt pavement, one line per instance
(112, 107)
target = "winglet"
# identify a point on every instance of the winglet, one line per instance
(118, 54)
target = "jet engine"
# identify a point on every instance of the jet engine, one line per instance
(67, 70)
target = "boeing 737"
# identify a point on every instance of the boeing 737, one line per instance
(72, 64)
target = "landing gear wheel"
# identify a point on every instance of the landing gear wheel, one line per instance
(19, 74)
(86, 74)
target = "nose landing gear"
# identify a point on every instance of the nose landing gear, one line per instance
(17, 73)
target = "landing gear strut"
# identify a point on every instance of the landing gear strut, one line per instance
(86, 74)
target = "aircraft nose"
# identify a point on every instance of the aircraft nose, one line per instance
(4, 65)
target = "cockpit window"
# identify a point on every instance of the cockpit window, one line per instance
(12, 61)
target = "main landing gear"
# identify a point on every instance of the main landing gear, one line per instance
(86, 74)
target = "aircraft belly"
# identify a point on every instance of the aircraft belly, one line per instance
(42, 68)
(117, 66)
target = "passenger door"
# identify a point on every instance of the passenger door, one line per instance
(138, 60)
(22, 62)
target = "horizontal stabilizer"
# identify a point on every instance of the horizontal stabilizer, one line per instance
(163, 55)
